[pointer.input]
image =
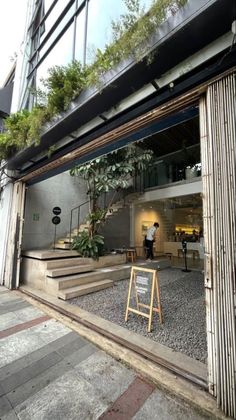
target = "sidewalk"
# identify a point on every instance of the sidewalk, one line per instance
(48, 371)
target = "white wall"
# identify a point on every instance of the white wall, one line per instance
(178, 190)
(62, 190)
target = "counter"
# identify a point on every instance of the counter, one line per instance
(173, 248)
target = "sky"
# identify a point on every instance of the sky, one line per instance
(12, 24)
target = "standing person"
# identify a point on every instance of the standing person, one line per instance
(150, 238)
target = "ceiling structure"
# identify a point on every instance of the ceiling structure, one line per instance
(176, 138)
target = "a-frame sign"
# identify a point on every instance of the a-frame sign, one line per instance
(144, 287)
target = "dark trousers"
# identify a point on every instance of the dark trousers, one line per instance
(149, 245)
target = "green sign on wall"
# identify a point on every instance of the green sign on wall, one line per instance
(35, 217)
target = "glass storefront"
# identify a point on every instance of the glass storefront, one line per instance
(180, 218)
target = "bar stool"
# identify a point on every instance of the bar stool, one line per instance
(169, 255)
(131, 255)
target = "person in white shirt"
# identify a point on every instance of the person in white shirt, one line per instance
(150, 238)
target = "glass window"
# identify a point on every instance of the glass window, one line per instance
(53, 16)
(100, 15)
(60, 55)
(56, 33)
(79, 38)
(46, 5)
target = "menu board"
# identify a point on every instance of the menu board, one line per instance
(144, 294)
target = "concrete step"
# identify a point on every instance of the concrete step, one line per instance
(116, 273)
(64, 262)
(59, 283)
(49, 254)
(62, 246)
(82, 227)
(63, 241)
(66, 271)
(67, 239)
(84, 289)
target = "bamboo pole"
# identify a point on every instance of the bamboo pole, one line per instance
(219, 162)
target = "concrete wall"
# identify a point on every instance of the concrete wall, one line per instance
(116, 230)
(63, 191)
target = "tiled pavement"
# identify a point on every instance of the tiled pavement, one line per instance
(49, 372)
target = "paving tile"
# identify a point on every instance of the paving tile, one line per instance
(27, 341)
(109, 377)
(128, 404)
(31, 387)
(160, 406)
(80, 355)
(8, 319)
(73, 346)
(66, 398)
(3, 289)
(18, 345)
(71, 353)
(37, 383)
(28, 373)
(11, 319)
(5, 308)
(36, 355)
(5, 406)
(50, 330)
(11, 415)
(9, 295)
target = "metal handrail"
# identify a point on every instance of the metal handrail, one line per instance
(138, 186)
(71, 216)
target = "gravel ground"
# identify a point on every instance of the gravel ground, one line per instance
(182, 298)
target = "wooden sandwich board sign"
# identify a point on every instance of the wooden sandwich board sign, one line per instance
(144, 283)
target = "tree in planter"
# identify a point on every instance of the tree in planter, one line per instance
(89, 246)
(111, 172)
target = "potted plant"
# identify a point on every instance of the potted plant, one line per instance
(89, 246)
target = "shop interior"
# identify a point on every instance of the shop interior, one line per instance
(180, 219)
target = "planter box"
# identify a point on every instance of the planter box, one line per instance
(106, 260)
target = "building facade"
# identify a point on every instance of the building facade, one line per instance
(191, 74)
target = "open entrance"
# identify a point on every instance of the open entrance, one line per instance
(166, 189)
(180, 219)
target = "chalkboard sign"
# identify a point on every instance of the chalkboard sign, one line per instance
(142, 284)
(144, 290)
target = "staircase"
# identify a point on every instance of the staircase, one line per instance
(65, 243)
(65, 275)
